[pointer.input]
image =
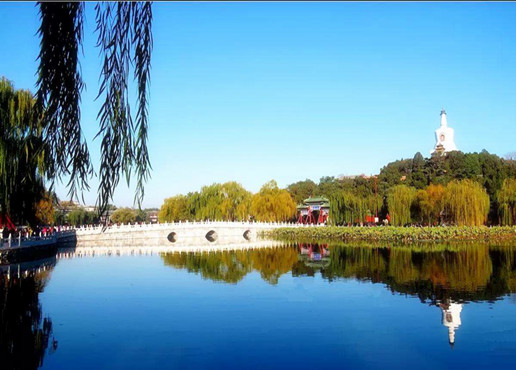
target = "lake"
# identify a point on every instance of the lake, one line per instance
(294, 306)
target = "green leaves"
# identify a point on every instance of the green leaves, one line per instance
(59, 90)
(125, 39)
(125, 42)
(21, 154)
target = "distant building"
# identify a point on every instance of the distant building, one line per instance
(153, 216)
(444, 137)
(314, 210)
(352, 177)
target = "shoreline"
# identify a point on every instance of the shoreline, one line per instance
(395, 234)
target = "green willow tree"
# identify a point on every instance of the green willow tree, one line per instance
(507, 202)
(80, 216)
(466, 203)
(400, 201)
(349, 208)
(175, 209)
(125, 43)
(21, 154)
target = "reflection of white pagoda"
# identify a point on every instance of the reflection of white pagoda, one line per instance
(444, 137)
(451, 318)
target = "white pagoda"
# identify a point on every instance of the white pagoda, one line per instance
(451, 318)
(444, 137)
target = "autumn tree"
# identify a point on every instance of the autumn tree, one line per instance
(507, 202)
(272, 204)
(466, 203)
(401, 201)
(45, 210)
(430, 203)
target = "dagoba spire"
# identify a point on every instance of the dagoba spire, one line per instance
(444, 137)
(444, 123)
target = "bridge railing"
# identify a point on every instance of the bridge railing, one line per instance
(87, 229)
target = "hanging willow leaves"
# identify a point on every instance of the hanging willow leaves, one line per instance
(125, 42)
(59, 89)
(400, 200)
(466, 203)
(507, 202)
(124, 38)
(347, 208)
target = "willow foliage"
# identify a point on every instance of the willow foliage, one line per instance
(272, 204)
(174, 209)
(349, 208)
(125, 42)
(466, 203)
(21, 153)
(430, 203)
(507, 202)
(222, 202)
(400, 201)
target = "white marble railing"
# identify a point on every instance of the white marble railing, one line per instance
(22, 240)
(93, 229)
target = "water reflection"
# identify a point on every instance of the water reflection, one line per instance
(471, 272)
(232, 266)
(25, 334)
(442, 276)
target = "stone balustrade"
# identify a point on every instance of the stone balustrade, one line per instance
(178, 234)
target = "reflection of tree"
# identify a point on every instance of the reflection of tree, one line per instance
(272, 263)
(468, 272)
(433, 273)
(24, 334)
(231, 267)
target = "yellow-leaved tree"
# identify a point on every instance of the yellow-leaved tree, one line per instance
(272, 204)
(430, 203)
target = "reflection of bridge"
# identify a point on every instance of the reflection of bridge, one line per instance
(179, 234)
(92, 251)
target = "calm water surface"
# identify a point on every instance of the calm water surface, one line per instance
(302, 306)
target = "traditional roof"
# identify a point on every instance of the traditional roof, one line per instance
(313, 200)
(320, 201)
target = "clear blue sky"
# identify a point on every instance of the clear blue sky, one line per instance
(288, 91)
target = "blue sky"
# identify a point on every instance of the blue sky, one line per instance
(288, 91)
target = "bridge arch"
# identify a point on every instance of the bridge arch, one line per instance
(172, 237)
(212, 236)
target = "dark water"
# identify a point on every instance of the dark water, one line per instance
(304, 306)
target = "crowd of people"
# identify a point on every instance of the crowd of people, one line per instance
(26, 232)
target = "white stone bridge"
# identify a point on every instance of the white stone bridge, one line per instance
(179, 234)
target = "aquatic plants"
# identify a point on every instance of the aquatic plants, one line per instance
(394, 234)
